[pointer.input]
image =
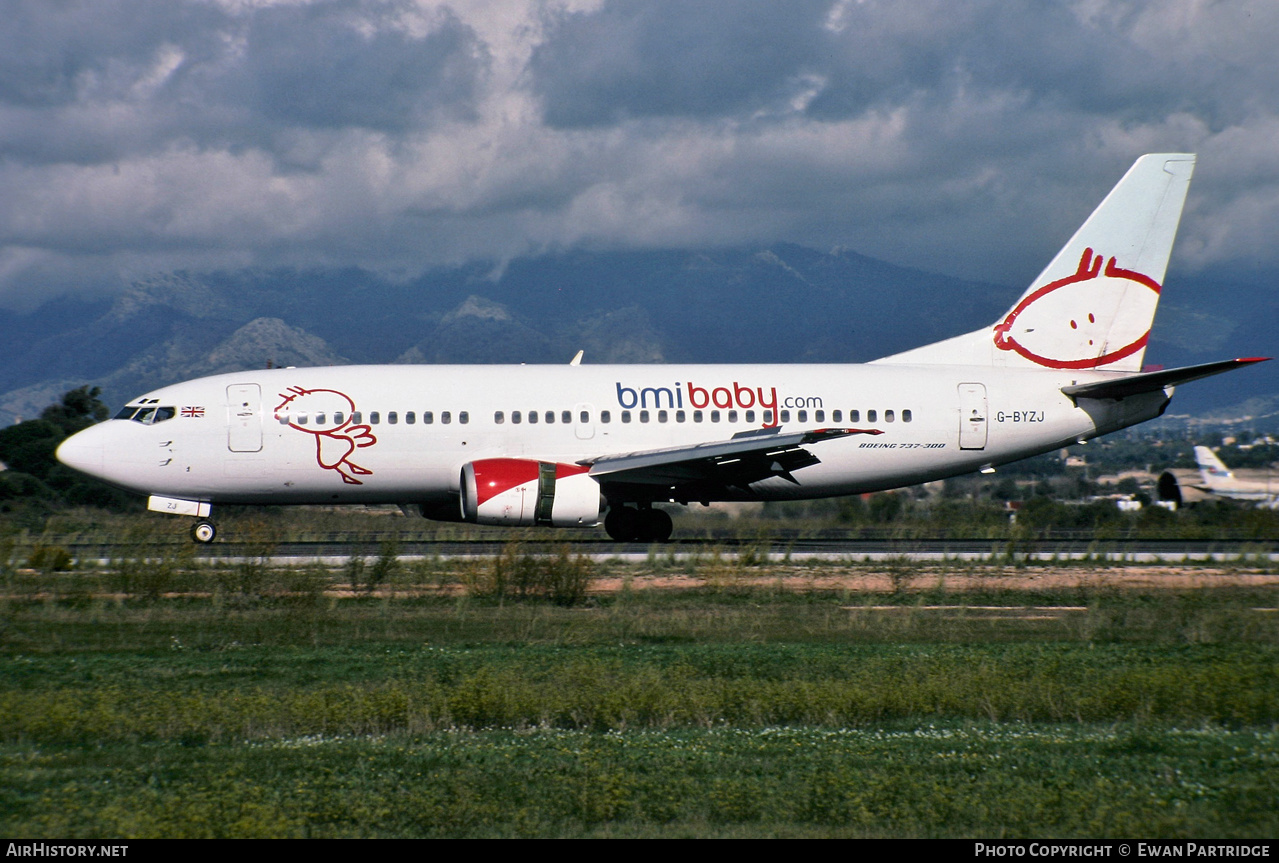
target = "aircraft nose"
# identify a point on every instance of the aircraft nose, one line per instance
(82, 451)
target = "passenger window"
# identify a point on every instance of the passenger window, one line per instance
(283, 418)
(319, 419)
(375, 417)
(854, 416)
(566, 417)
(337, 417)
(516, 417)
(768, 418)
(499, 417)
(889, 416)
(697, 416)
(663, 416)
(463, 417)
(837, 416)
(626, 416)
(714, 416)
(357, 417)
(732, 416)
(679, 416)
(643, 416)
(428, 417)
(785, 416)
(819, 416)
(532, 417)
(392, 418)
(550, 417)
(906, 416)
(803, 416)
(586, 417)
(871, 416)
(300, 419)
(605, 416)
(750, 416)
(446, 417)
(410, 418)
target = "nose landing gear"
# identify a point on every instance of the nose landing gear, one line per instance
(204, 531)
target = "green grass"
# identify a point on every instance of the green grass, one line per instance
(257, 704)
(251, 693)
(939, 779)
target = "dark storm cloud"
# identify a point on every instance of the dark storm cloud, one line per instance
(309, 66)
(55, 53)
(86, 81)
(1008, 104)
(637, 59)
(673, 59)
(969, 137)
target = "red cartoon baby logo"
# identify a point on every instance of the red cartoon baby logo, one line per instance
(327, 414)
(1086, 320)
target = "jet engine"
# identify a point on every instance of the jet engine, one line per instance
(518, 492)
(1169, 488)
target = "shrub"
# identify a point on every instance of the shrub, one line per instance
(49, 558)
(561, 578)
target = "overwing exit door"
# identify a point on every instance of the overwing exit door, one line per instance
(584, 421)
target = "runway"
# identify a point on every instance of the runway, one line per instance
(786, 550)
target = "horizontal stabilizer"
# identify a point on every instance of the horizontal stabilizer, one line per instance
(1118, 388)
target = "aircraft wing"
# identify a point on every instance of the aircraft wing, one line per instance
(1131, 385)
(745, 458)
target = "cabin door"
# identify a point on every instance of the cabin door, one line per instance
(972, 416)
(244, 418)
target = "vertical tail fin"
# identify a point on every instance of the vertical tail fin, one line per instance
(1093, 306)
(1212, 470)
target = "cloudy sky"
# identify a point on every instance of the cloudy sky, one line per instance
(964, 136)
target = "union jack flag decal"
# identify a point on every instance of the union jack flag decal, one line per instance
(193, 411)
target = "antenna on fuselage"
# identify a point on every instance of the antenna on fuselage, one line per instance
(577, 360)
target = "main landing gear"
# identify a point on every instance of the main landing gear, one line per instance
(628, 524)
(204, 531)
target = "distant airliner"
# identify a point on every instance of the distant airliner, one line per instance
(563, 445)
(1220, 481)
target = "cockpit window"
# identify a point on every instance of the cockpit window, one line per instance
(146, 414)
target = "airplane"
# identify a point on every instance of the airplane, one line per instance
(569, 445)
(1220, 481)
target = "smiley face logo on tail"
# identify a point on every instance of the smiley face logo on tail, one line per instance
(327, 415)
(1094, 317)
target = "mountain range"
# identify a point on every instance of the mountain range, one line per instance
(781, 303)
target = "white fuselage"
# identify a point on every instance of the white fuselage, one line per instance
(1258, 492)
(292, 435)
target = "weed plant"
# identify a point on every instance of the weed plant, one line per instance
(562, 578)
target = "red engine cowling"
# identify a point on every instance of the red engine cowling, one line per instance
(517, 492)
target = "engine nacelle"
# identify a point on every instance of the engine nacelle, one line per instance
(1169, 489)
(517, 492)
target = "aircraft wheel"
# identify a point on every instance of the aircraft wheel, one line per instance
(656, 525)
(204, 531)
(622, 524)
